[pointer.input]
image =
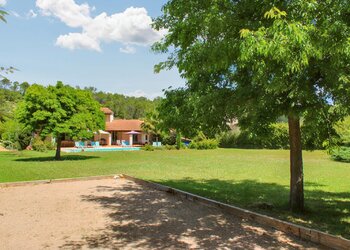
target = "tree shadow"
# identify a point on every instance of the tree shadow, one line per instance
(139, 217)
(325, 211)
(63, 158)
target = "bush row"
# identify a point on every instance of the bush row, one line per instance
(341, 154)
(204, 144)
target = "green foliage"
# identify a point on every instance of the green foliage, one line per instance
(14, 135)
(148, 148)
(341, 154)
(275, 137)
(189, 112)
(2, 15)
(201, 142)
(263, 61)
(169, 139)
(343, 130)
(204, 144)
(10, 94)
(60, 110)
(170, 147)
(125, 107)
(274, 58)
(39, 145)
(178, 141)
(151, 125)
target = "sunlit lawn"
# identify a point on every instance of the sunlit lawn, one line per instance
(246, 178)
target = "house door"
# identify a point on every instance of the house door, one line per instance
(114, 137)
(135, 139)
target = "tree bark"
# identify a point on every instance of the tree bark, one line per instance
(296, 198)
(58, 149)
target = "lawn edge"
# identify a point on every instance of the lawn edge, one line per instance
(38, 182)
(315, 236)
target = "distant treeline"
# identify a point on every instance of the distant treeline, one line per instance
(125, 107)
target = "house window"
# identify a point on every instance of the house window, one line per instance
(134, 138)
(146, 137)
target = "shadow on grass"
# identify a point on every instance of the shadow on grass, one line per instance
(63, 158)
(138, 217)
(325, 211)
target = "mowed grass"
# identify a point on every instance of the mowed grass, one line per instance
(253, 179)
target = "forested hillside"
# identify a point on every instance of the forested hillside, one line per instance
(125, 107)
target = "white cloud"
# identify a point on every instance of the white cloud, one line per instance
(31, 14)
(131, 27)
(141, 93)
(2, 2)
(15, 14)
(74, 41)
(67, 11)
(128, 50)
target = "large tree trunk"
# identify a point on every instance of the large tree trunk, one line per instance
(296, 198)
(58, 149)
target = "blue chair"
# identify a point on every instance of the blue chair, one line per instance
(97, 144)
(125, 143)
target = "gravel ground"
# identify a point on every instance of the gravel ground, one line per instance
(119, 214)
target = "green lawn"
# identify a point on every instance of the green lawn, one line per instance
(245, 178)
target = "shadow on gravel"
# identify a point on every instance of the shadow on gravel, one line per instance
(325, 211)
(143, 218)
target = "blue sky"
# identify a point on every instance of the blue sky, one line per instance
(99, 43)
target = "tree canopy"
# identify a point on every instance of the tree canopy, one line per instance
(60, 110)
(276, 57)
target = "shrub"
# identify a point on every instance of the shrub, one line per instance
(343, 130)
(49, 145)
(159, 148)
(170, 147)
(169, 140)
(14, 135)
(341, 154)
(38, 145)
(279, 137)
(228, 139)
(204, 144)
(148, 148)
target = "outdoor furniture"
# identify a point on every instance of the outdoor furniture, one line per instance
(157, 144)
(119, 143)
(79, 144)
(125, 143)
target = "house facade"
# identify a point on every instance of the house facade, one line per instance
(119, 130)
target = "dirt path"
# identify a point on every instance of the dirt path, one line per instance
(109, 214)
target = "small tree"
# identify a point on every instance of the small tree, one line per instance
(60, 110)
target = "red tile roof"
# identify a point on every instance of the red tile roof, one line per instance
(107, 111)
(124, 125)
